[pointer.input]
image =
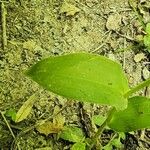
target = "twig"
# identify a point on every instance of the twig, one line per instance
(124, 56)
(85, 120)
(125, 36)
(12, 126)
(3, 19)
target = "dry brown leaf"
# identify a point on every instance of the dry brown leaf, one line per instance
(52, 127)
(48, 128)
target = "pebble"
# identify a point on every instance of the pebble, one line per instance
(139, 57)
(113, 22)
(146, 73)
(130, 80)
(142, 1)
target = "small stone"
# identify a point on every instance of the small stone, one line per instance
(146, 73)
(113, 22)
(131, 80)
(139, 57)
(142, 1)
(69, 9)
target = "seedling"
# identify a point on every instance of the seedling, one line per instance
(96, 79)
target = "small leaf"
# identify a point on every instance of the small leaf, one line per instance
(72, 134)
(25, 109)
(108, 147)
(117, 143)
(148, 28)
(11, 113)
(78, 146)
(84, 77)
(136, 116)
(122, 135)
(98, 119)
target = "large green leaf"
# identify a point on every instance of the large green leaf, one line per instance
(136, 116)
(84, 77)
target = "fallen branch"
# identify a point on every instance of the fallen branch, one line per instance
(3, 20)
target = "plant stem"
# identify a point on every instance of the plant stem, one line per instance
(137, 88)
(101, 128)
(111, 112)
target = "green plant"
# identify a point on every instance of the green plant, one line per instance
(146, 27)
(147, 37)
(96, 79)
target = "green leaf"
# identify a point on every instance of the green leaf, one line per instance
(79, 146)
(108, 147)
(117, 143)
(122, 135)
(11, 113)
(98, 119)
(72, 134)
(83, 77)
(25, 109)
(148, 28)
(136, 116)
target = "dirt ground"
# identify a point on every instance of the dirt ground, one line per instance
(37, 29)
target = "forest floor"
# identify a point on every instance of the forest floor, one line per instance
(37, 29)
